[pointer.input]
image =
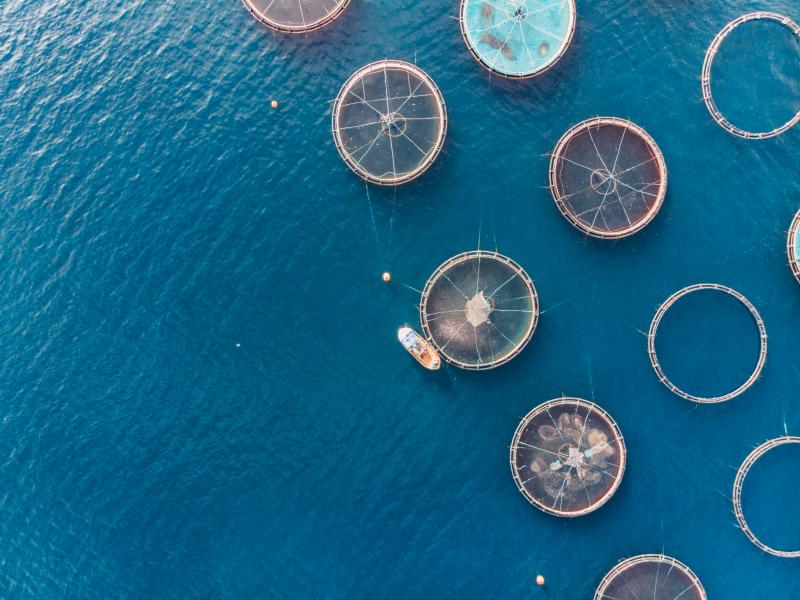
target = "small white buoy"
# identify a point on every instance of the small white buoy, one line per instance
(540, 580)
(274, 104)
(387, 277)
(238, 345)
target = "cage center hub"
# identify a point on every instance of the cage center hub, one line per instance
(478, 308)
(393, 124)
(603, 182)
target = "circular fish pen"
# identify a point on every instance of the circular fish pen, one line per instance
(711, 53)
(652, 576)
(793, 246)
(741, 475)
(568, 457)
(389, 122)
(295, 16)
(662, 310)
(479, 309)
(608, 177)
(517, 38)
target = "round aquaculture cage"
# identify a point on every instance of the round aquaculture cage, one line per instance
(568, 457)
(652, 576)
(608, 177)
(389, 122)
(479, 309)
(793, 246)
(662, 310)
(738, 484)
(517, 38)
(708, 64)
(295, 16)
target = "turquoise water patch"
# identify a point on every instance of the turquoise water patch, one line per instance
(518, 38)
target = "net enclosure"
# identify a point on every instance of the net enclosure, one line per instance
(738, 485)
(479, 309)
(651, 576)
(295, 16)
(707, 80)
(793, 246)
(517, 38)
(608, 177)
(568, 457)
(389, 122)
(653, 332)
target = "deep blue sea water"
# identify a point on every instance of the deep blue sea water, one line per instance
(201, 391)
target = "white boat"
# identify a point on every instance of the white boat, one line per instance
(419, 348)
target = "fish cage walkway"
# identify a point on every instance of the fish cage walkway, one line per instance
(708, 62)
(741, 475)
(662, 310)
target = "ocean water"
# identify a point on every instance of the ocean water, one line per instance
(201, 391)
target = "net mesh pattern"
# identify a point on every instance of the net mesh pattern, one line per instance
(517, 38)
(389, 122)
(651, 576)
(479, 309)
(568, 457)
(608, 177)
(295, 16)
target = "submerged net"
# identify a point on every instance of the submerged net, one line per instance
(651, 576)
(754, 62)
(479, 309)
(738, 485)
(389, 122)
(517, 38)
(653, 334)
(793, 246)
(295, 16)
(568, 457)
(608, 177)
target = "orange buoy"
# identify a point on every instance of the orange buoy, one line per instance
(387, 277)
(274, 104)
(540, 580)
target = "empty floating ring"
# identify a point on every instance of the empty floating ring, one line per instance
(517, 38)
(479, 309)
(608, 177)
(711, 53)
(793, 246)
(652, 576)
(389, 122)
(298, 16)
(662, 310)
(568, 457)
(741, 474)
